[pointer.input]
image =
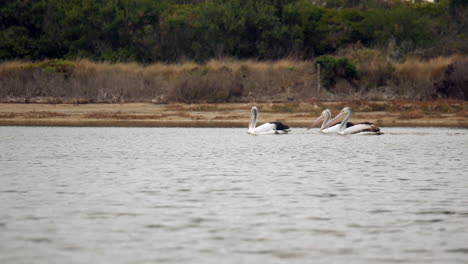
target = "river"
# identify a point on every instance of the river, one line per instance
(220, 195)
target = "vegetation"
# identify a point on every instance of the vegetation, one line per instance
(334, 69)
(228, 80)
(149, 31)
(231, 50)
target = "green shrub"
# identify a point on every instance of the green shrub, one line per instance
(120, 55)
(53, 65)
(334, 69)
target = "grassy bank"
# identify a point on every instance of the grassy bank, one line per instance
(444, 113)
(233, 81)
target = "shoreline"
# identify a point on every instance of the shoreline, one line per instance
(402, 114)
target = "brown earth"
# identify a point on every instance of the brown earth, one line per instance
(295, 114)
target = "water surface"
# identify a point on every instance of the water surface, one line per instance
(194, 195)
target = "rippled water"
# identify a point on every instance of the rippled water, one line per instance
(192, 195)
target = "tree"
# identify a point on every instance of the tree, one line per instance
(402, 24)
(336, 68)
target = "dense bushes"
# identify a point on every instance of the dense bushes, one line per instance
(219, 81)
(216, 81)
(366, 49)
(335, 68)
(149, 31)
(454, 81)
(204, 85)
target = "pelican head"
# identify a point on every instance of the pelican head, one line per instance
(253, 119)
(253, 110)
(344, 114)
(347, 110)
(323, 119)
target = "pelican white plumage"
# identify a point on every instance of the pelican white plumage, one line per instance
(324, 118)
(267, 128)
(364, 128)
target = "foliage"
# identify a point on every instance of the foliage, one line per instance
(54, 65)
(454, 81)
(405, 26)
(334, 68)
(233, 81)
(166, 30)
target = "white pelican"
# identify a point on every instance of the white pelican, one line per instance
(325, 119)
(267, 128)
(364, 128)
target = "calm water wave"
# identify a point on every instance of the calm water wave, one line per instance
(179, 195)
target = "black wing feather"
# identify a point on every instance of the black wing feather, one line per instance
(349, 124)
(280, 126)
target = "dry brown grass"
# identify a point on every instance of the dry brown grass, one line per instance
(91, 66)
(204, 85)
(374, 67)
(415, 69)
(263, 66)
(11, 66)
(382, 78)
(170, 71)
(230, 80)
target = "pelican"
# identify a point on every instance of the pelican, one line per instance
(325, 119)
(267, 128)
(364, 128)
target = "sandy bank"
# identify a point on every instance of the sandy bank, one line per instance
(385, 114)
